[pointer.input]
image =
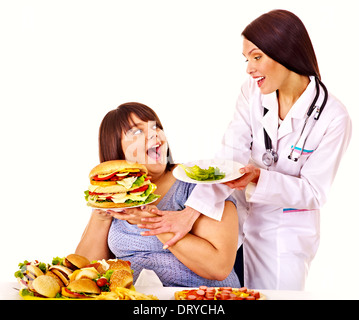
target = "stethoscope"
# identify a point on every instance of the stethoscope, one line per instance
(271, 156)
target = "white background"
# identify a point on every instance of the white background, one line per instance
(65, 64)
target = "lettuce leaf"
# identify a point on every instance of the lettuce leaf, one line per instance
(199, 174)
(57, 261)
(139, 182)
(150, 198)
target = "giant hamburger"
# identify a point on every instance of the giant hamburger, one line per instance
(119, 184)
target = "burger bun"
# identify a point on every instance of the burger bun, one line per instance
(46, 286)
(81, 286)
(85, 273)
(63, 273)
(108, 167)
(75, 261)
(121, 278)
(108, 205)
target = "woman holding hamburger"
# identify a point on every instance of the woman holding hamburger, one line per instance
(205, 256)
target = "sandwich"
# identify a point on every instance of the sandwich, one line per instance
(118, 273)
(75, 261)
(122, 275)
(28, 272)
(84, 273)
(61, 274)
(82, 288)
(121, 278)
(119, 184)
(45, 286)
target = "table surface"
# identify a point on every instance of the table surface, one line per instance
(8, 292)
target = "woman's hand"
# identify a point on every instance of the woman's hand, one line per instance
(101, 215)
(134, 215)
(177, 222)
(251, 174)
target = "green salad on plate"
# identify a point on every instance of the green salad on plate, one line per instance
(199, 174)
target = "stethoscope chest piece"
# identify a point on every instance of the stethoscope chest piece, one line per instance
(269, 157)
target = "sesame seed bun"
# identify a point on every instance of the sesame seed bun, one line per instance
(117, 264)
(108, 167)
(121, 278)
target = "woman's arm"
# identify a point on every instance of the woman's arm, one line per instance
(93, 243)
(210, 249)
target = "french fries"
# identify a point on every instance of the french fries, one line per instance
(127, 294)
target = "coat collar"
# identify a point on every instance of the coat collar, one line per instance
(298, 111)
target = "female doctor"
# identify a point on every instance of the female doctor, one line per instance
(292, 135)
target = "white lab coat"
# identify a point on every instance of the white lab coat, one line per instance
(279, 216)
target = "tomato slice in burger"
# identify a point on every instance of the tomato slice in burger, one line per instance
(140, 189)
(105, 178)
(75, 293)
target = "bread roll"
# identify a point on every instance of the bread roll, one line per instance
(46, 286)
(121, 278)
(111, 166)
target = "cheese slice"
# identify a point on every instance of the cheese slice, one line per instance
(117, 200)
(127, 182)
(135, 197)
(120, 173)
(132, 197)
(119, 197)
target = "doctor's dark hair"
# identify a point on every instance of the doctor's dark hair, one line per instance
(119, 121)
(282, 36)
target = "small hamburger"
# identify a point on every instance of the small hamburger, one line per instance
(84, 273)
(60, 272)
(75, 261)
(28, 272)
(119, 184)
(45, 286)
(121, 278)
(82, 288)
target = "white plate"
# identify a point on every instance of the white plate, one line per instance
(119, 209)
(230, 168)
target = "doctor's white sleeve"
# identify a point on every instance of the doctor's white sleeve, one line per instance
(310, 189)
(236, 143)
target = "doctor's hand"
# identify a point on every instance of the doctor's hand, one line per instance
(250, 173)
(177, 222)
(134, 215)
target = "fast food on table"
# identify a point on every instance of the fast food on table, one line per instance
(75, 277)
(119, 184)
(223, 293)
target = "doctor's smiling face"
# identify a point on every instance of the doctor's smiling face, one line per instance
(269, 74)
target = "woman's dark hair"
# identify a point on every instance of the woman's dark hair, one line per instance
(282, 36)
(118, 121)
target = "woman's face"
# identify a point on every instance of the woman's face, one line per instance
(269, 74)
(145, 143)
